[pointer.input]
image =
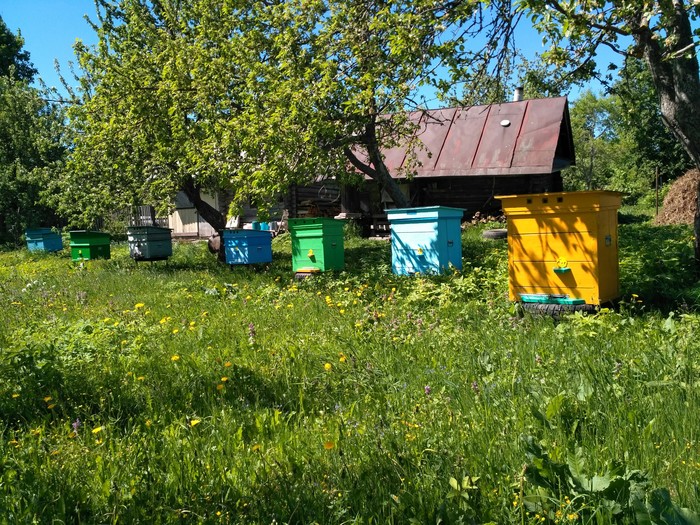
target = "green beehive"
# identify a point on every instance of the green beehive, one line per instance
(86, 245)
(317, 243)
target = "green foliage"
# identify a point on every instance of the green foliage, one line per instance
(14, 61)
(564, 491)
(253, 97)
(30, 143)
(621, 141)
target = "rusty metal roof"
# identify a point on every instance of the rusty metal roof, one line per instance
(528, 137)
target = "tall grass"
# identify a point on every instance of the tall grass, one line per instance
(190, 392)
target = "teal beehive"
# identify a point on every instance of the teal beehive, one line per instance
(247, 246)
(43, 240)
(149, 243)
(425, 240)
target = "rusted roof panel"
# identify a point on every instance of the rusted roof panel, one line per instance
(540, 134)
(462, 140)
(434, 127)
(514, 138)
(394, 157)
(499, 136)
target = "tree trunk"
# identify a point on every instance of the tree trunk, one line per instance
(214, 217)
(376, 167)
(384, 178)
(676, 76)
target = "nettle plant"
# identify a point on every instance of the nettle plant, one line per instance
(566, 492)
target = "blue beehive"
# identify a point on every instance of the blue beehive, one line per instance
(43, 239)
(247, 246)
(425, 240)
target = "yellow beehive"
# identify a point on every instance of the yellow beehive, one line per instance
(563, 244)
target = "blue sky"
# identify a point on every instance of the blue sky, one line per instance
(50, 28)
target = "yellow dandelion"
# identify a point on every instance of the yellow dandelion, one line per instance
(13, 442)
(219, 386)
(51, 406)
(175, 358)
(97, 430)
(48, 398)
(148, 422)
(176, 330)
(204, 314)
(227, 364)
(116, 323)
(124, 341)
(290, 306)
(329, 445)
(140, 378)
(346, 289)
(328, 367)
(224, 379)
(195, 422)
(342, 358)
(139, 305)
(15, 395)
(255, 447)
(342, 311)
(192, 323)
(248, 297)
(72, 434)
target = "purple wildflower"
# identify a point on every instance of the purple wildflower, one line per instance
(427, 390)
(76, 424)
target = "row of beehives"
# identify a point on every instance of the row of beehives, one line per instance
(562, 247)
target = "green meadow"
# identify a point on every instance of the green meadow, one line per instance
(191, 392)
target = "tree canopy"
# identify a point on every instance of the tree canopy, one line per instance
(255, 96)
(659, 32)
(14, 60)
(620, 139)
(30, 141)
